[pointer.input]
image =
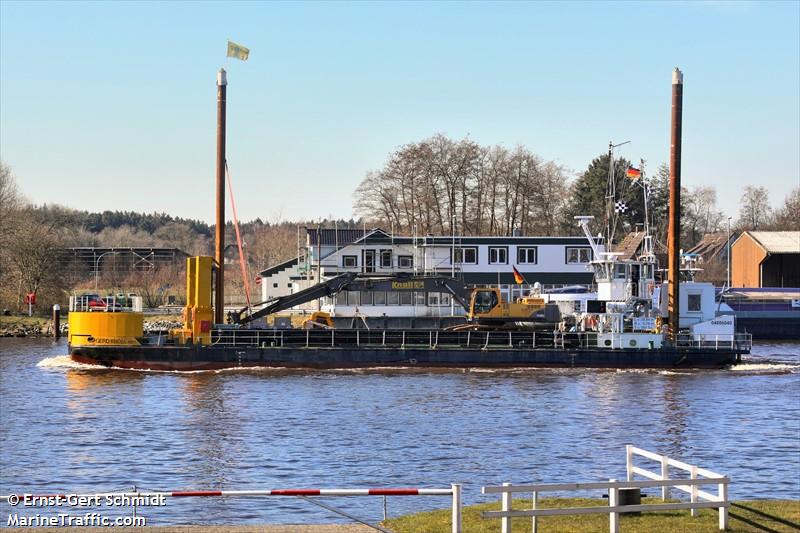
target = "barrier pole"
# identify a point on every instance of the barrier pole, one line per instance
(456, 518)
(694, 510)
(534, 499)
(664, 476)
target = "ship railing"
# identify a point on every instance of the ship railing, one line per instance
(620, 493)
(433, 339)
(415, 338)
(734, 341)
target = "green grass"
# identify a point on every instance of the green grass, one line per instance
(758, 515)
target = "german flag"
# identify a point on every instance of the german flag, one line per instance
(517, 276)
(633, 173)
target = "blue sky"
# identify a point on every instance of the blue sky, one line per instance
(112, 105)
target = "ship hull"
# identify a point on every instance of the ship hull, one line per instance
(193, 358)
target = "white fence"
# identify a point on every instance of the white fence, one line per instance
(661, 479)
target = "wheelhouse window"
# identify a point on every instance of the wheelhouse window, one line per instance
(386, 259)
(466, 256)
(694, 302)
(527, 255)
(498, 255)
(578, 255)
(405, 261)
(349, 261)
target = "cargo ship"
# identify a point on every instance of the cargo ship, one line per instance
(634, 322)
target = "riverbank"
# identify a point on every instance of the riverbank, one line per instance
(35, 326)
(745, 516)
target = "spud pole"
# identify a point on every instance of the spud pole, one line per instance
(674, 236)
(219, 306)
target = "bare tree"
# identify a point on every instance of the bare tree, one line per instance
(787, 217)
(754, 210)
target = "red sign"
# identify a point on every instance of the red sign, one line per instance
(258, 280)
(30, 298)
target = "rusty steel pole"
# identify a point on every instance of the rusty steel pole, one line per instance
(674, 235)
(219, 305)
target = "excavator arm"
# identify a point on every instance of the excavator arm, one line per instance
(354, 282)
(320, 290)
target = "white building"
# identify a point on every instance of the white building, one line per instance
(477, 261)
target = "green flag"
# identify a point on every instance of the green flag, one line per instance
(238, 51)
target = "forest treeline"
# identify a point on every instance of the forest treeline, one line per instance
(437, 185)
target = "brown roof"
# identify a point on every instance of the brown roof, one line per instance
(710, 245)
(629, 247)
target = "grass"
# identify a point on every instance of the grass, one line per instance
(751, 516)
(16, 320)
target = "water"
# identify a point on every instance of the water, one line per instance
(67, 428)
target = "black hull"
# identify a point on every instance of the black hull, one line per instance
(188, 358)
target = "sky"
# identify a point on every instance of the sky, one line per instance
(113, 105)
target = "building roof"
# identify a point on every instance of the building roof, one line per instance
(274, 269)
(710, 245)
(777, 242)
(331, 237)
(629, 247)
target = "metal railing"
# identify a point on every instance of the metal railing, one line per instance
(735, 341)
(105, 304)
(433, 339)
(614, 508)
(309, 495)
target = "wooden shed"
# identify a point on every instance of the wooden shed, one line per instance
(766, 259)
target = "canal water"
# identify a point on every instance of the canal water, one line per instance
(66, 428)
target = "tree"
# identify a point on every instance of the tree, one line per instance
(755, 210)
(439, 185)
(699, 214)
(590, 197)
(787, 218)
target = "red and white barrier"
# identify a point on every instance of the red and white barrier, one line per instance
(454, 491)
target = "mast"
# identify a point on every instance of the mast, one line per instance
(219, 306)
(674, 237)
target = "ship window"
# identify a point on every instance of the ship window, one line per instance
(349, 261)
(694, 302)
(366, 297)
(498, 255)
(386, 259)
(392, 298)
(352, 298)
(526, 256)
(404, 261)
(433, 299)
(445, 299)
(274, 285)
(578, 255)
(467, 256)
(379, 298)
(419, 298)
(289, 285)
(341, 298)
(406, 297)
(619, 272)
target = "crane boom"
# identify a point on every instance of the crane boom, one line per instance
(354, 282)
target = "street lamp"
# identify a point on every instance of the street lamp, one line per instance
(97, 266)
(729, 253)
